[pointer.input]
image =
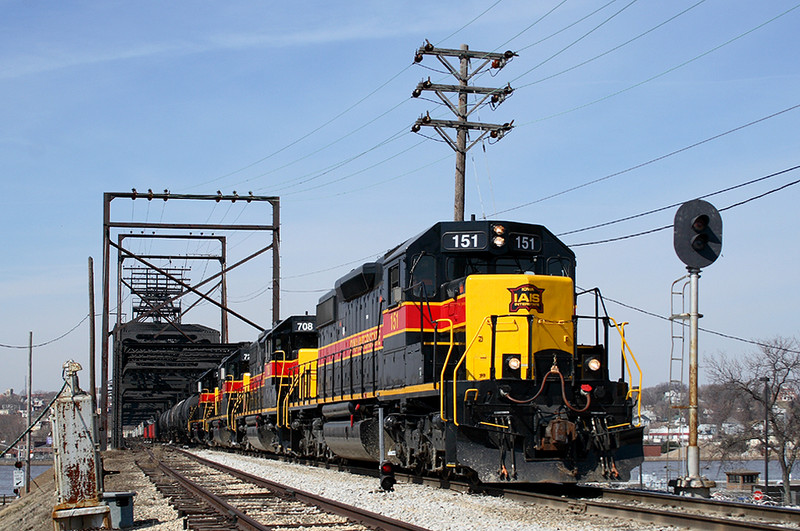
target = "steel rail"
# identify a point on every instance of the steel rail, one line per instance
(241, 519)
(364, 517)
(670, 514)
(783, 514)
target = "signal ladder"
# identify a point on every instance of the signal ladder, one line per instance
(676, 393)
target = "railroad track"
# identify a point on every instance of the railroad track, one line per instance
(211, 496)
(641, 506)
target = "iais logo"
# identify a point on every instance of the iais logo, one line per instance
(526, 297)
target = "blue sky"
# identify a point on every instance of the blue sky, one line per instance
(311, 101)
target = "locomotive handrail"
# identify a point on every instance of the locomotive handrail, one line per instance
(280, 386)
(444, 368)
(455, 382)
(625, 346)
(232, 410)
(294, 380)
(463, 356)
(487, 319)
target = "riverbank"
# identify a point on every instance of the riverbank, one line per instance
(33, 511)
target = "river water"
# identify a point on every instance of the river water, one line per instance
(655, 474)
(7, 476)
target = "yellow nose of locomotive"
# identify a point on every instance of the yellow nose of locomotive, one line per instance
(509, 318)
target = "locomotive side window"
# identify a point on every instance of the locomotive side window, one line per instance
(424, 276)
(326, 311)
(395, 290)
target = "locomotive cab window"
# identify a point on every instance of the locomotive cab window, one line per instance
(395, 290)
(423, 276)
(463, 266)
(516, 265)
(558, 266)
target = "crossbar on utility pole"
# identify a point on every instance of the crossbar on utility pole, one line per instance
(462, 109)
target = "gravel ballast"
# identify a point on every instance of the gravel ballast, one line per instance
(433, 508)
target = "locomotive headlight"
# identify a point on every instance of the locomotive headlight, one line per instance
(593, 364)
(499, 241)
(514, 363)
(499, 229)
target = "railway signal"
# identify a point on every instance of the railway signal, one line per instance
(697, 233)
(697, 238)
(387, 476)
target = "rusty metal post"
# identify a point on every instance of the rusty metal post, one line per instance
(693, 452)
(693, 484)
(76, 460)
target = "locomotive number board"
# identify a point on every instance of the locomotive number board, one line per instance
(464, 241)
(525, 242)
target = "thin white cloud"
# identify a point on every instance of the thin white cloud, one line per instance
(44, 51)
(57, 57)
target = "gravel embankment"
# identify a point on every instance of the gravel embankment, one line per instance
(151, 511)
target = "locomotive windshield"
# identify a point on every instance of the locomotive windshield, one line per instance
(460, 266)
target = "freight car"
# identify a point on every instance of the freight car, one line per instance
(464, 340)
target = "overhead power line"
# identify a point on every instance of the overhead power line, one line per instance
(576, 41)
(665, 227)
(611, 50)
(647, 163)
(627, 89)
(665, 72)
(62, 336)
(706, 330)
(661, 209)
(288, 183)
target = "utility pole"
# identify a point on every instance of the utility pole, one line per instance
(28, 437)
(766, 433)
(92, 383)
(462, 110)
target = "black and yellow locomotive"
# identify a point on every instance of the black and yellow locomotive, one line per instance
(464, 341)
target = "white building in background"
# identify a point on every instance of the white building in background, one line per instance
(679, 434)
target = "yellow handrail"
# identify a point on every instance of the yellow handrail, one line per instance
(294, 380)
(280, 385)
(455, 381)
(232, 409)
(444, 367)
(460, 361)
(638, 389)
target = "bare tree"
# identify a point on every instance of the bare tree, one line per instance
(779, 360)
